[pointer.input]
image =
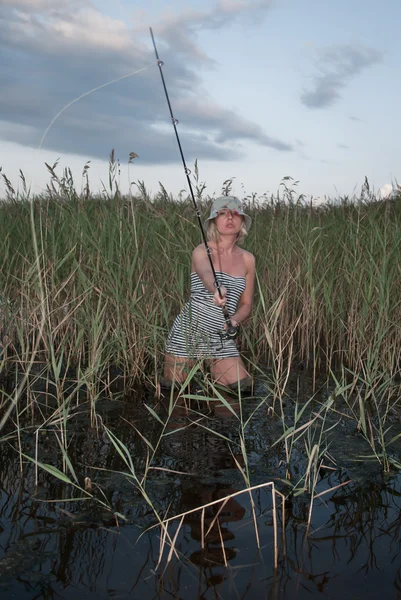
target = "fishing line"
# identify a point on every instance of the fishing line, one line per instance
(232, 330)
(14, 400)
(87, 94)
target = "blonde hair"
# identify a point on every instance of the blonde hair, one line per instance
(212, 233)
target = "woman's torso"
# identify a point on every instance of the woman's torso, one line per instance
(201, 300)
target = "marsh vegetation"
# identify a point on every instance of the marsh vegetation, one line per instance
(89, 286)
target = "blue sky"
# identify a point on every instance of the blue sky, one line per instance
(263, 89)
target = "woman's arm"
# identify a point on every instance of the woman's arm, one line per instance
(201, 265)
(245, 303)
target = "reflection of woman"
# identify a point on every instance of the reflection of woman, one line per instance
(215, 516)
(198, 331)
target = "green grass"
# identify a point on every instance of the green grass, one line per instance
(90, 283)
(111, 272)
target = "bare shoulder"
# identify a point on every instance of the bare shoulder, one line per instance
(199, 257)
(249, 259)
(199, 251)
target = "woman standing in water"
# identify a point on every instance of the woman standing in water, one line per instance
(198, 331)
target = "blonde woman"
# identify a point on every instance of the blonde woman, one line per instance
(198, 331)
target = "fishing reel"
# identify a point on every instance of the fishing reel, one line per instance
(232, 332)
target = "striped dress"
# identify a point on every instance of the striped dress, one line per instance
(198, 331)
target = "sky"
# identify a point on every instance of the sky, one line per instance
(262, 90)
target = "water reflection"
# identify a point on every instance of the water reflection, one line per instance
(209, 527)
(351, 550)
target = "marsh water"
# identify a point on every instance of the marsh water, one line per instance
(55, 545)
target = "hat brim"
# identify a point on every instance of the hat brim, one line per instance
(247, 219)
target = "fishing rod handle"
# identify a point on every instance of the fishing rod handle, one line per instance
(232, 330)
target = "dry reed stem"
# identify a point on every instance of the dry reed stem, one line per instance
(163, 542)
(222, 544)
(313, 458)
(164, 523)
(275, 537)
(241, 470)
(172, 549)
(203, 528)
(332, 489)
(283, 499)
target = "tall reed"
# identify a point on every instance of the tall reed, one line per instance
(115, 271)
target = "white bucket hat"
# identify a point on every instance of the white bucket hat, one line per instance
(228, 203)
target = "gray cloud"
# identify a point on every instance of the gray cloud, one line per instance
(47, 6)
(52, 51)
(337, 67)
(180, 31)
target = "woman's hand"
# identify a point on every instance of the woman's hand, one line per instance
(234, 330)
(216, 297)
(233, 322)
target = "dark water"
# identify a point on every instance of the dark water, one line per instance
(79, 549)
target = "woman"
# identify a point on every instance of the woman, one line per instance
(199, 330)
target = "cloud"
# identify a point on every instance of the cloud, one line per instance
(34, 5)
(53, 51)
(337, 66)
(386, 190)
(21, 134)
(226, 124)
(181, 28)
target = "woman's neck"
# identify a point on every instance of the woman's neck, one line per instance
(225, 245)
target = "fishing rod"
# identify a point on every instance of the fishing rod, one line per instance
(232, 330)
